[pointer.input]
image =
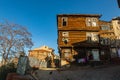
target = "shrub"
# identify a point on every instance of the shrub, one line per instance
(5, 69)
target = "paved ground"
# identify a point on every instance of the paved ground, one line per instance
(107, 72)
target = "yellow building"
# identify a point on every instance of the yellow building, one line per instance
(43, 55)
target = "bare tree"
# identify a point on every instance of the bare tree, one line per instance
(13, 39)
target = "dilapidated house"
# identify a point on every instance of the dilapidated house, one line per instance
(43, 57)
(84, 37)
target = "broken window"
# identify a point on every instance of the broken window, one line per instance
(64, 21)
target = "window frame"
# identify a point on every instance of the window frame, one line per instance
(64, 21)
(92, 35)
(90, 22)
(105, 27)
(65, 34)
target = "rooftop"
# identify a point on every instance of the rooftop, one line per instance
(116, 18)
(86, 15)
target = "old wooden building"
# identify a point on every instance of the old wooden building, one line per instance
(84, 37)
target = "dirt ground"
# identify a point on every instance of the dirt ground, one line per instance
(106, 72)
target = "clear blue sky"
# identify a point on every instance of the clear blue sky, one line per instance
(40, 15)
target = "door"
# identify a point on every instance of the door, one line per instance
(95, 53)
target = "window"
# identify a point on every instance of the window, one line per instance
(113, 43)
(118, 25)
(95, 53)
(67, 53)
(113, 52)
(101, 41)
(64, 21)
(94, 23)
(105, 27)
(88, 22)
(89, 38)
(88, 35)
(118, 22)
(92, 37)
(65, 34)
(91, 22)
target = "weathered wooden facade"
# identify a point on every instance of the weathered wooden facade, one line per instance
(84, 37)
